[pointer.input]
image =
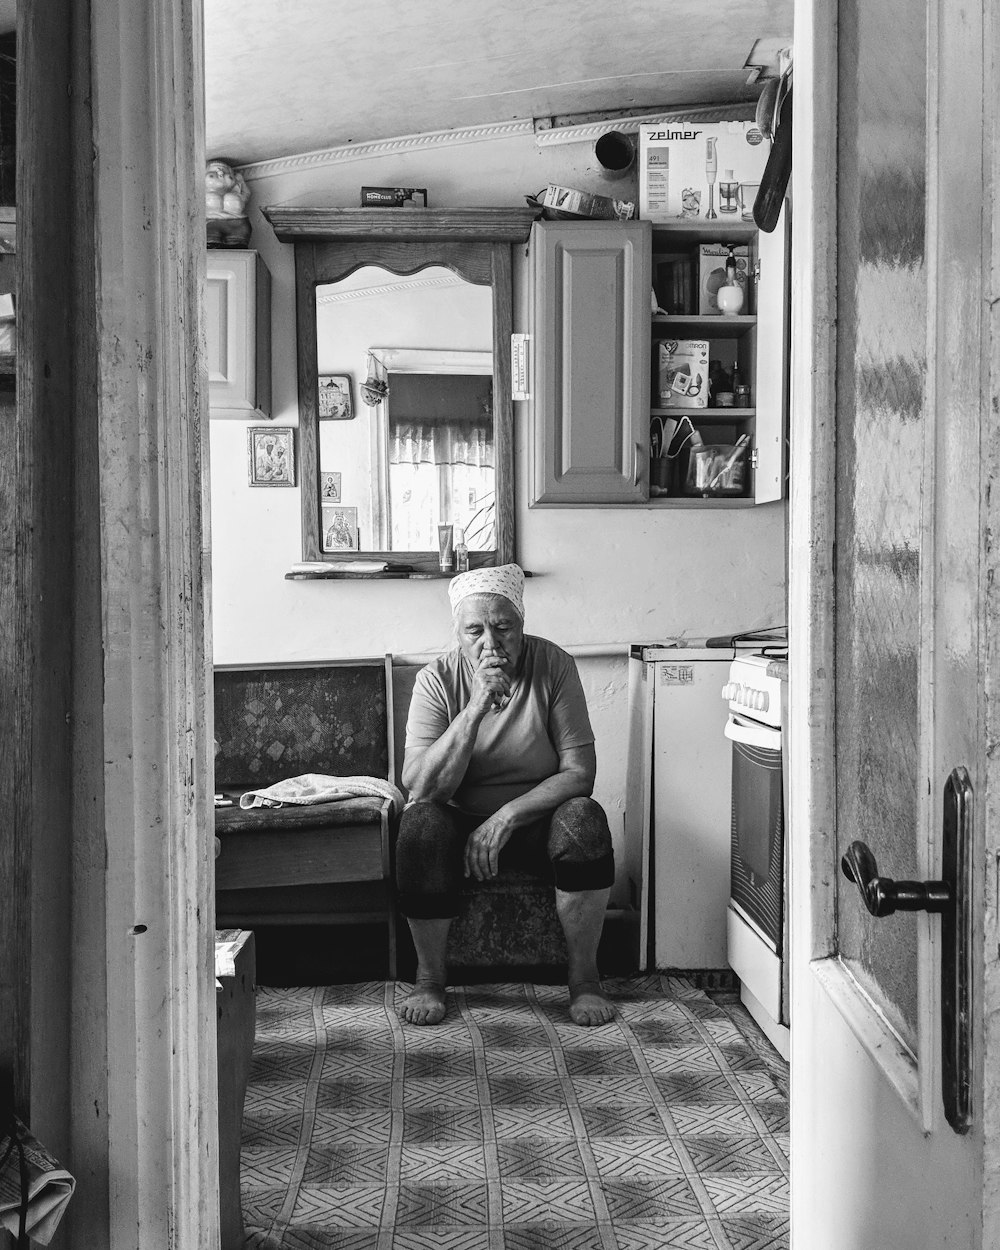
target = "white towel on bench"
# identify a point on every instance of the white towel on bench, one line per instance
(318, 788)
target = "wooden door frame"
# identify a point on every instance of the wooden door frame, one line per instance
(109, 782)
(812, 567)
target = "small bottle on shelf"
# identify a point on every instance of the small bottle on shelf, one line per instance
(461, 551)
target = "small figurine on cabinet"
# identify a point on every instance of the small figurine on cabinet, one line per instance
(226, 198)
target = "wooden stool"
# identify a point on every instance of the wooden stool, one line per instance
(235, 974)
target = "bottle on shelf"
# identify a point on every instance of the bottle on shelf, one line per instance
(730, 296)
(461, 551)
(716, 380)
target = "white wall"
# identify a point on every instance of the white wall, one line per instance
(602, 575)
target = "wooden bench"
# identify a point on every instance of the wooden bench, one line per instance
(325, 863)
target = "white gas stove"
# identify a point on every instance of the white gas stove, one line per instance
(754, 686)
(757, 912)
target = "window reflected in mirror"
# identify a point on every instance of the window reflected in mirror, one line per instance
(392, 468)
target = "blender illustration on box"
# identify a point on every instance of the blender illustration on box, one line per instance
(700, 171)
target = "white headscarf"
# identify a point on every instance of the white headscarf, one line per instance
(503, 579)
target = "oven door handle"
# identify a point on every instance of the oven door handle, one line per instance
(753, 735)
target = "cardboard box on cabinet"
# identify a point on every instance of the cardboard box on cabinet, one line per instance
(700, 171)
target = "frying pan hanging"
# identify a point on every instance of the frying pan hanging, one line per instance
(774, 180)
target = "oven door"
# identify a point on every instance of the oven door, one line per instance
(757, 872)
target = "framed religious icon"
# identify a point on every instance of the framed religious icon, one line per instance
(336, 398)
(340, 528)
(271, 451)
(329, 487)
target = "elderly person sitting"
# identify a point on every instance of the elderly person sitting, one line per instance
(500, 761)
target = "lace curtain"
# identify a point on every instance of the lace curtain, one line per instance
(441, 459)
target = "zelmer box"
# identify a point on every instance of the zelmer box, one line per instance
(702, 171)
(682, 373)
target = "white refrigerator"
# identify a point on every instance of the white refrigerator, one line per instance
(678, 808)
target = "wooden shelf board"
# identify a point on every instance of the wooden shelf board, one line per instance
(510, 225)
(693, 501)
(706, 325)
(670, 236)
(726, 415)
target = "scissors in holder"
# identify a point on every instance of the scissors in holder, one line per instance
(661, 433)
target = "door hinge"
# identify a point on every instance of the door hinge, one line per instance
(754, 456)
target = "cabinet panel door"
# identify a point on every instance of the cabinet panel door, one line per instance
(772, 362)
(237, 332)
(591, 361)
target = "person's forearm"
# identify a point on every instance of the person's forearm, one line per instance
(548, 795)
(439, 771)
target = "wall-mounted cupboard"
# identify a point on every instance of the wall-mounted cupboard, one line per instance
(238, 333)
(622, 343)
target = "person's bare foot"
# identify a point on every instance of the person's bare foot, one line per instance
(424, 1004)
(589, 1005)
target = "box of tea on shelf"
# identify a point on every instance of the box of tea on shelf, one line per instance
(700, 171)
(682, 373)
(712, 275)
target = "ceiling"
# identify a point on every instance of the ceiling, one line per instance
(316, 74)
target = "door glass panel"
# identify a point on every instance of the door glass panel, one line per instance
(880, 387)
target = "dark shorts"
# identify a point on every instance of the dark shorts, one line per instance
(572, 847)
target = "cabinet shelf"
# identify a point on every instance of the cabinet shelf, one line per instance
(696, 501)
(725, 416)
(705, 325)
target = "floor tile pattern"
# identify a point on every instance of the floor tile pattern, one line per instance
(508, 1128)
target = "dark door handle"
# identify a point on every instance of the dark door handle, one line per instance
(883, 896)
(953, 897)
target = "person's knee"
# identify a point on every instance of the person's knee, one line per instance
(580, 847)
(579, 831)
(423, 825)
(428, 861)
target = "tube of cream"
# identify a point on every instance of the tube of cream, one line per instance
(446, 548)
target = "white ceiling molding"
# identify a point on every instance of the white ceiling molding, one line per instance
(385, 147)
(630, 125)
(404, 284)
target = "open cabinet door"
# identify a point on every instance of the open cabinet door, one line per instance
(894, 1085)
(771, 422)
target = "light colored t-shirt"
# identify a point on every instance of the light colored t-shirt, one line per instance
(517, 747)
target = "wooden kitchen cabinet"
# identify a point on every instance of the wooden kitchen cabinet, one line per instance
(595, 390)
(238, 333)
(590, 355)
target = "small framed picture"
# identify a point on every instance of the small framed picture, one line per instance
(329, 487)
(272, 455)
(340, 528)
(336, 399)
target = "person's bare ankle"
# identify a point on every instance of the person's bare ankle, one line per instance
(588, 1003)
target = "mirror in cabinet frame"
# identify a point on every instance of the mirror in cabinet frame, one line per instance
(448, 412)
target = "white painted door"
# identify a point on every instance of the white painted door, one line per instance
(891, 574)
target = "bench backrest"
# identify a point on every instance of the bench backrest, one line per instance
(278, 721)
(403, 677)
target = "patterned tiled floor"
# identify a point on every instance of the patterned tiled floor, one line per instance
(508, 1128)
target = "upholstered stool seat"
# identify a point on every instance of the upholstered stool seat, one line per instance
(508, 922)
